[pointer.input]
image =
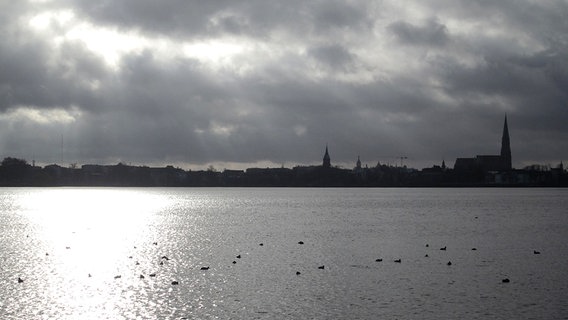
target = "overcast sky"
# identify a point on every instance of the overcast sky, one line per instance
(237, 84)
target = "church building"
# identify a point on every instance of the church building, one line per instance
(485, 163)
(326, 159)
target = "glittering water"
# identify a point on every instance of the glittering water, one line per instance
(89, 253)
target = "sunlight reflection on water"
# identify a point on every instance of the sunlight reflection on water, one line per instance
(81, 240)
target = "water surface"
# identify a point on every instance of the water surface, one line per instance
(81, 252)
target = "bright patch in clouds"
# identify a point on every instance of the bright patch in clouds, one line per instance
(219, 52)
(41, 116)
(110, 44)
(45, 20)
(221, 129)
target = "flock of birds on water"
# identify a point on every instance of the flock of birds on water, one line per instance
(321, 267)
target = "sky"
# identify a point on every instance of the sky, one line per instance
(266, 83)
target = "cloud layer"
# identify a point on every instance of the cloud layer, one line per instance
(242, 83)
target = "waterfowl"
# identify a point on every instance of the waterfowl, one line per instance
(398, 260)
(300, 242)
(321, 267)
(506, 280)
(204, 268)
(20, 280)
(175, 283)
(443, 248)
(449, 263)
(379, 260)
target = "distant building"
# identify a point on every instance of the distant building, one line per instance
(358, 169)
(485, 163)
(326, 159)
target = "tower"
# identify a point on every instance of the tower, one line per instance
(506, 148)
(358, 163)
(326, 159)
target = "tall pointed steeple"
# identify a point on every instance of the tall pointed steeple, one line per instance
(506, 147)
(326, 159)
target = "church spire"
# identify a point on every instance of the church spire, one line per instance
(506, 147)
(326, 159)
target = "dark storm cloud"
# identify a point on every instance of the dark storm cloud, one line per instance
(334, 56)
(194, 18)
(432, 34)
(173, 17)
(370, 78)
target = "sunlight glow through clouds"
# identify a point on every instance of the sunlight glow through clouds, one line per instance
(219, 52)
(112, 45)
(221, 129)
(42, 116)
(64, 26)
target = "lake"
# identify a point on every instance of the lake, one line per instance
(283, 253)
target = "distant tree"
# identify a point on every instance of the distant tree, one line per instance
(9, 162)
(14, 170)
(211, 168)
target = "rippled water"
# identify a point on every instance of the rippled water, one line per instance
(81, 253)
